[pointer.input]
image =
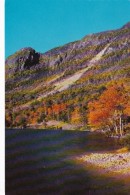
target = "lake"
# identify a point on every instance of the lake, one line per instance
(42, 162)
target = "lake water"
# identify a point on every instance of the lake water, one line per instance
(41, 162)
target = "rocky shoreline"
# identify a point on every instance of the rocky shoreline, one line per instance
(109, 162)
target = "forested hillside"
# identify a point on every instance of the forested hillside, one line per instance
(70, 82)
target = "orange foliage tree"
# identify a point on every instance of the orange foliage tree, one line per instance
(108, 112)
(8, 119)
(58, 110)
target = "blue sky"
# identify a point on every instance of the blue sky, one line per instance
(45, 24)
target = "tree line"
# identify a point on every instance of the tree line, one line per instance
(109, 112)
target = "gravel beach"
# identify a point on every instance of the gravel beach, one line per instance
(115, 162)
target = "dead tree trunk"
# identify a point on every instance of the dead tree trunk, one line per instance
(120, 123)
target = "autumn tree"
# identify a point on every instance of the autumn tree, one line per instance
(76, 116)
(108, 111)
(8, 119)
(21, 121)
(59, 111)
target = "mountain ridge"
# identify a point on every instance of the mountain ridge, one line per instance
(72, 74)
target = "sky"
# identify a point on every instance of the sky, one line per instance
(45, 24)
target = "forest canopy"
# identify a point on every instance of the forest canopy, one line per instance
(111, 111)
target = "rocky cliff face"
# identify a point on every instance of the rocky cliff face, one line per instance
(22, 60)
(70, 74)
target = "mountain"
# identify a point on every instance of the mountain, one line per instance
(57, 85)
